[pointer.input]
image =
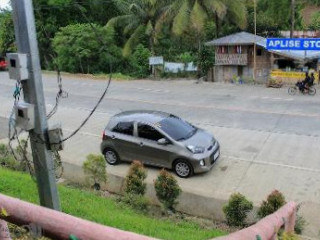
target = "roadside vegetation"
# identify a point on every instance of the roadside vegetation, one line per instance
(80, 37)
(89, 205)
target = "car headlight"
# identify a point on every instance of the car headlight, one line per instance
(202, 163)
(195, 149)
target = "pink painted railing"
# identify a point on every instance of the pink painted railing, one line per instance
(56, 225)
(268, 227)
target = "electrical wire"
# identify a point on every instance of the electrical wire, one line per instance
(105, 91)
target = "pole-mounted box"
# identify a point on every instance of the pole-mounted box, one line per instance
(18, 66)
(55, 135)
(24, 113)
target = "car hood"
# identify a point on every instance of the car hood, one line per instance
(200, 139)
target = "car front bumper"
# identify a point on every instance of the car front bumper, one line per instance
(210, 159)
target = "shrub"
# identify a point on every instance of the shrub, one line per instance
(95, 168)
(275, 200)
(79, 50)
(237, 209)
(134, 183)
(136, 201)
(289, 236)
(7, 159)
(300, 224)
(167, 189)
(139, 62)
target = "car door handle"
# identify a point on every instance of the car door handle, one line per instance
(113, 136)
(141, 144)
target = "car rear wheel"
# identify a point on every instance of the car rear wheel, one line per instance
(183, 168)
(111, 156)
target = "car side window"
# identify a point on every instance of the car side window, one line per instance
(148, 132)
(124, 128)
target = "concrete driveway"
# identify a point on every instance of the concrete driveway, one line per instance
(269, 139)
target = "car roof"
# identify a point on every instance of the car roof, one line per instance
(146, 116)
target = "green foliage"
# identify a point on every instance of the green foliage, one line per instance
(167, 189)
(315, 22)
(300, 224)
(7, 37)
(80, 49)
(236, 209)
(7, 159)
(138, 19)
(139, 62)
(184, 14)
(106, 211)
(278, 12)
(138, 202)
(95, 168)
(186, 58)
(275, 200)
(289, 236)
(205, 60)
(134, 183)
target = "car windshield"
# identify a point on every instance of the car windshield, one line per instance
(177, 128)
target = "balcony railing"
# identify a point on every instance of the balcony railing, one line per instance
(57, 225)
(231, 59)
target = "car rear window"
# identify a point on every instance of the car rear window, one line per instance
(124, 128)
(177, 128)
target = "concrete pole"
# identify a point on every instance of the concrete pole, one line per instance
(26, 40)
(254, 44)
(292, 17)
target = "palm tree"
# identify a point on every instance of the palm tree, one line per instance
(195, 13)
(138, 18)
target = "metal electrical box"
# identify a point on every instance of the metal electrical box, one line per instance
(18, 66)
(24, 113)
(55, 135)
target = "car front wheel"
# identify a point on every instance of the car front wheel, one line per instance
(111, 156)
(183, 168)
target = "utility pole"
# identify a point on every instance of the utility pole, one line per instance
(26, 39)
(255, 44)
(293, 7)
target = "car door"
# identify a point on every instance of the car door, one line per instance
(149, 151)
(124, 140)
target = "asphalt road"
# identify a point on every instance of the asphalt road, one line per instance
(269, 139)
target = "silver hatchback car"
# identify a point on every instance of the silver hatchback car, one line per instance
(159, 139)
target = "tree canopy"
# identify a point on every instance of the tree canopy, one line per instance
(84, 36)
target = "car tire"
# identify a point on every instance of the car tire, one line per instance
(183, 168)
(111, 156)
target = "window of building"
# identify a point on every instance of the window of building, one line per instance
(259, 52)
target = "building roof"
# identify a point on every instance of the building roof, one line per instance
(245, 38)
(241, 38)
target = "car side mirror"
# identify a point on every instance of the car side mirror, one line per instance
(163, 141)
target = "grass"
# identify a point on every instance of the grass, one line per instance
(102, 210)
(96, 76)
